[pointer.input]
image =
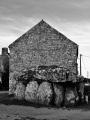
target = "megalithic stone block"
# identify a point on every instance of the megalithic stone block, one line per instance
(31, 91)
(53, 74)
(45, 93)
(20, 91)
(69, 99)
(59, 94)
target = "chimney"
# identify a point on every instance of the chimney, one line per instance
(4, 50)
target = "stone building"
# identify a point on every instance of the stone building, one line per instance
(42, 45)
(4, 68)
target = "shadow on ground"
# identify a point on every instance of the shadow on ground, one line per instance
(7, 99)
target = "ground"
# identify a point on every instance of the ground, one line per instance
(11, 109)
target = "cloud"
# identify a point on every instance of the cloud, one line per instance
(11, 28)
(70, 17)
(81, 4)
(14, 23)
(77, 31)
(70, 9)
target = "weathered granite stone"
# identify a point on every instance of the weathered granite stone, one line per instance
(20, 91)
(13, 82)
(59, 94)
(80, 89)
(69, 99)
(31, 92)
(45, 93)
(51, 73)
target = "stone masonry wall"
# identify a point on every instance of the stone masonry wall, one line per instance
(42, 45)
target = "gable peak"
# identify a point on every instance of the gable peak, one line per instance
(42, 21)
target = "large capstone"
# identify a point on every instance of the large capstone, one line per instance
(20, 91)
(31, 91)
(45, 93)
(59, 94)
(51, 73)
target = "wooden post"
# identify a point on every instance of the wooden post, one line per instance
(80, 65)
(87, 74)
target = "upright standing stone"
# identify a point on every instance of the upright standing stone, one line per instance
(69, 97)
(31, 91)
(45, 93)
(59, 94)
(20, 91)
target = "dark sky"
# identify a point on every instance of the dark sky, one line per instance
(70, 17)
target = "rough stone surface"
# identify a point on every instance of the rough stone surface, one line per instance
(59, 94)
(81, 91)
(12, 86)
(51, 73)
(69, 97)
(43, 45)
(31, 92)
(45, 93)
(20, 91)
(71, 77)
(13, 82)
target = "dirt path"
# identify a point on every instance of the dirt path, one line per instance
(13, 110)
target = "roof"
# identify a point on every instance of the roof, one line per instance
(41, 23)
